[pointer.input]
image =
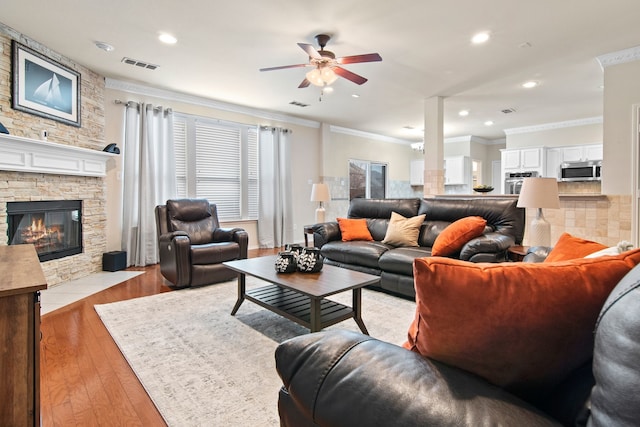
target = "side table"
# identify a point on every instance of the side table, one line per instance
(308, 229)
(517, 253)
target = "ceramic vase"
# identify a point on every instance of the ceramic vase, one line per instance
(294, 248)
(310, 260)
(286, 262)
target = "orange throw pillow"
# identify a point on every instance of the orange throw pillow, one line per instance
(457, 234)
(354, 229)
(521, 326)
(570, 247)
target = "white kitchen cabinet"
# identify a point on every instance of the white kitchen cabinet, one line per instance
(416, 176)
(511, 159)
(552, 166)
(572, 154)
(582, 153)
(457, 171)
(525, 159)
(531, 158)
(593, 152)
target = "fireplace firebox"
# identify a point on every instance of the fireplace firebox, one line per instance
(53, 227)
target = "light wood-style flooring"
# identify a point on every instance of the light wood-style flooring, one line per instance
(84, 379)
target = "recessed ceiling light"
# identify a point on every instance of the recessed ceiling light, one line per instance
(463, 113)
(488, 123)
(167, 38)
(355, 95)
(480, 38)
(104, 46)
(530, 84)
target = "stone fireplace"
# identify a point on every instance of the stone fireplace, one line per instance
(39, 171)
(53, 227)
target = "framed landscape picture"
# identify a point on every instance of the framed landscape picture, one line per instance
(44, 87)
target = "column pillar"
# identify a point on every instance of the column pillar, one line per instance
(433, 146)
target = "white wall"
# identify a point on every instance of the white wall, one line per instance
(557, 136)
(621, 92)
(340, 145)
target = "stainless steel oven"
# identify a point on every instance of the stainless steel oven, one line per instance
(513, 181)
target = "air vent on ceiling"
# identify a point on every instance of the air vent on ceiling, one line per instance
(298, 104)
(140, 64)
(508, 110)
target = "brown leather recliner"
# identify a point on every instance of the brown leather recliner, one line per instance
(193, 246)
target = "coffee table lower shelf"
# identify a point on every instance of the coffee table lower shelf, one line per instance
(297, 307)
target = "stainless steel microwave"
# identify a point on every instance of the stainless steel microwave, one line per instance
(580, 171)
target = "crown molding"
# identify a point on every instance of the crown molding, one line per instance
(556, 125)
(368, 135)
(619, 57)
(169, 95)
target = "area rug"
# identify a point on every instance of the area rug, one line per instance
(202, 366)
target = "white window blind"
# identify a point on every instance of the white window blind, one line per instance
(218, 167)
(219, 162)
(180, 147)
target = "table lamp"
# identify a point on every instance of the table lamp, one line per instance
(320, 193)
(539, 193)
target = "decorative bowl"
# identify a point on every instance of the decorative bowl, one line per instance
(482, 189)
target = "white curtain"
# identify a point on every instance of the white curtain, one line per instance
(149, 178)
(275, 223)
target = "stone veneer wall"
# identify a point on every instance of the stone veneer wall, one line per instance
(18, 186)
(606, 220)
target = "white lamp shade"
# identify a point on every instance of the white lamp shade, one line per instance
(328, 75)
(315, 78)
(320, 193)
(539, 193)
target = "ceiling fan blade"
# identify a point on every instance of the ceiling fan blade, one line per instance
(282, 67)
(368, 57)
(305, 83)
(311, 51)
(349, 75)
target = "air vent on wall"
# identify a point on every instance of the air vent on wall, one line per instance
(140, 64)
(508, 110)
(298, 104)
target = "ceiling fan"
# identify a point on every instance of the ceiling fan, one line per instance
(326, 67)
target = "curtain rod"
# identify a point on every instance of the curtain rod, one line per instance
(137, 104)
(272, 128)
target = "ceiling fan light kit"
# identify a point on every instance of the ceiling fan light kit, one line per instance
(326, 67)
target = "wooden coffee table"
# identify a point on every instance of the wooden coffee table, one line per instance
(301, 297)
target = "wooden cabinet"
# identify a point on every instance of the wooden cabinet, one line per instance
(21, 280)
(416, 176)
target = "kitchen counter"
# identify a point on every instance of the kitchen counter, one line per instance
(565, 196)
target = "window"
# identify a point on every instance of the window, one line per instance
(367, 179)
(218, 161)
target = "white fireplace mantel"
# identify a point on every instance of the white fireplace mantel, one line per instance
(30, 155)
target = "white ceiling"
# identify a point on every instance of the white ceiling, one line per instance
(425, 47)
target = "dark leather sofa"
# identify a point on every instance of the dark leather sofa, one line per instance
(342, 378)
(394, 265)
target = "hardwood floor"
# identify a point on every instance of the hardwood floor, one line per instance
(84, 379)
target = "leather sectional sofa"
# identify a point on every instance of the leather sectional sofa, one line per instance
(563, 352)
(504, 228)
